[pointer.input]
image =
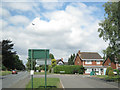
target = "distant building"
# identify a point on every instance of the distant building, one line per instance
(60, 61)
(91, 61)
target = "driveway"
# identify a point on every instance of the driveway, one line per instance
(79, 81)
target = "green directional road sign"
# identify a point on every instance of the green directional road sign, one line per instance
(39, 53)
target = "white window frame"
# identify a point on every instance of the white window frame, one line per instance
(97, 62)
(88, 70)
(88, 62)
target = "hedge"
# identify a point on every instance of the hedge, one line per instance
(69, 69)
(108, 69)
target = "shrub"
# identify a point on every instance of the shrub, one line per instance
(69, 69)
(50, 68)
(3, 68)
(117, 71)
(110, 73)
(108, 69)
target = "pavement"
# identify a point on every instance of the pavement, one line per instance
(80, 81)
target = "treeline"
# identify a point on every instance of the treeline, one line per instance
(10, 59)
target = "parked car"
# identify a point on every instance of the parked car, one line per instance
(115, 72)
(14, 72)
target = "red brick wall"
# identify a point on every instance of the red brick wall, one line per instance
(113, 65)
(77, 59)
(93, 63)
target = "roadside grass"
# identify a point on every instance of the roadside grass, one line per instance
(102, 76)
(115, 78)
(52, 83)
(3, 73)
(42, 73)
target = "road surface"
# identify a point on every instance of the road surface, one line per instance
(80, 81)
(11, 81)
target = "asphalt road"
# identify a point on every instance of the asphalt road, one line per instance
(80, 81)
(9, 81)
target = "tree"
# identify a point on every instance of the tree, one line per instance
(7, 54)
(53, 62)
(71, 60)
(10, 59)
(51, 56)
(109, 29)
(28, 64)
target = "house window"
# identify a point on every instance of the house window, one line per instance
(109, 64)
(98, 62)
(119, 65)
(88, 70)
(78, 62)
(88, 62)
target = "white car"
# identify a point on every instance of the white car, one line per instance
(115, 72)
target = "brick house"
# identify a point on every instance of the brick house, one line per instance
(91, 61)
(114, 65)
(60, 61)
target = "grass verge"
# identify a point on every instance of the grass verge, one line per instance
(115, 78)
(42, 73)
(3, 73)
(52, 83)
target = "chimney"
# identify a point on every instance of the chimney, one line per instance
(62, 59)
(79, 52)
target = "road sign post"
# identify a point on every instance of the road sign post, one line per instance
(38, 54)
(31, 69)
(45, 70)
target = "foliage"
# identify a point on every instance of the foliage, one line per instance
(71, 60)
(109, 29)
(28, 64)
(9, 58)
(53, 62)
(3, 68)
(51, 56)
(69, 69)
(42, 67)
(108, 69)
(116, 71)
(110, 73)
(50, 68)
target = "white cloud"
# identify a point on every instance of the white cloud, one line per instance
(66, 32)
(4, 13)
(19, 20)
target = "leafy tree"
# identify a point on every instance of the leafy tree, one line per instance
(53, 62)
(71, 60)
(28, 64)
(109, 29)
(10, 59)
(7, 54)
(51, 56)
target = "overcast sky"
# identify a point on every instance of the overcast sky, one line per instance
(62, 27)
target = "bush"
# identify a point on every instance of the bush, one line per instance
(110, 73)
(117, 71)
(69, 69)
(50, 68)
(108, 69)
(3, 68)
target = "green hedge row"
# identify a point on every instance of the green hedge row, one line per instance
(69, 69)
